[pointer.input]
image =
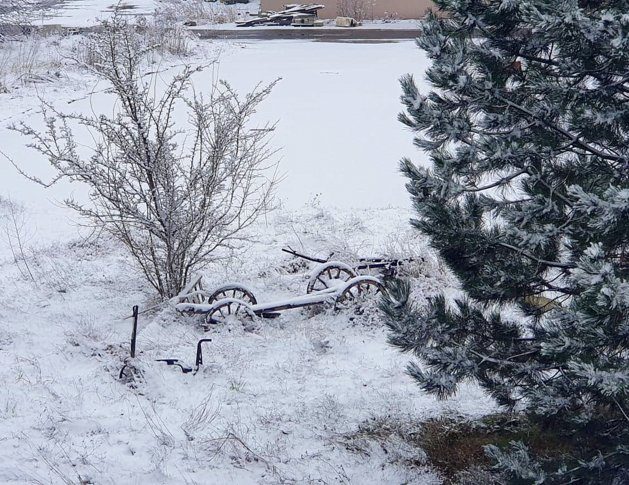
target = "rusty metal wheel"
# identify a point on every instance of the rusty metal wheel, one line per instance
(233, 291)
(358, 291)
(329, 275)
(228, 309)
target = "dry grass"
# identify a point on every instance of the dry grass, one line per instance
(199, 11)
(454, 447)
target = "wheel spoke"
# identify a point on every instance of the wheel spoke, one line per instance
(358, 293)
(328, 275)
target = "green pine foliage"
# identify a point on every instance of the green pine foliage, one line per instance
(527, 202)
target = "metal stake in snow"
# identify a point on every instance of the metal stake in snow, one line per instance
(135, 330)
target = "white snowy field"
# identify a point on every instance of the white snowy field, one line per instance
(85, 13)
(335, 106)
(289, 401)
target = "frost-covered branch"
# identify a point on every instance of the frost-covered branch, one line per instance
(171, 201)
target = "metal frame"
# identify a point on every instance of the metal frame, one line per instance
(198, 362)
(388, 265)
(272, 309)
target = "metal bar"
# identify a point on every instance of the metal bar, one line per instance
(289, 250)
(176, 363)
(375, 266)
(382, 263)
(135, 330)
(199, 359)
(289, 306)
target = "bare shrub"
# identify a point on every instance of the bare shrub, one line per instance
(173, 39)
(201, 418)
(157, 36)
(356, 9)
(21, 59)
(172, 196)
(16, 15)
(53, 272)
(200, 11)
(27, 60)
(38, 266)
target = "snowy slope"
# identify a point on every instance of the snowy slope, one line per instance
(278, 403)
(284, 403)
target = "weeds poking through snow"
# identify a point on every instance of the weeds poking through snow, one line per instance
(16, 230)
(201, 418)
(172, 12)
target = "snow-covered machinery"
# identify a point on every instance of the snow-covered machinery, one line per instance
(306, 20)
(329, 271)
(238, 301)
(331, 282)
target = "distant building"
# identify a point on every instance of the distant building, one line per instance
(373, 9)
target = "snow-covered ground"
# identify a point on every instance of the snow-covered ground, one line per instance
(84, 13)
(284, 402)
(336, 106)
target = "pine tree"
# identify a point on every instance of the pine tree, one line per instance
(527, 202)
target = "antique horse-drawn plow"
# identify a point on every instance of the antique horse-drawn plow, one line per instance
(237, 301)
(331, 282)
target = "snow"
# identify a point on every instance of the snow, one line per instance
(337, 105)
(279, 402)
(84, 13)
(338, 135)
(274, 403)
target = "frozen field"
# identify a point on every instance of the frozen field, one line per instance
(288, 401)
(336, 109)
(83, 13)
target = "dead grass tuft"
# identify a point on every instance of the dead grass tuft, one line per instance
(454, 446)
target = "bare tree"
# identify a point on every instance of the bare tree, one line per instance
(171, 194)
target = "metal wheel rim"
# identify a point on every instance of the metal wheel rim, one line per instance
(236, 292)
(330, 273)
(358, 292)
(226, 310)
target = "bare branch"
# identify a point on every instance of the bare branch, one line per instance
(171, 195)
